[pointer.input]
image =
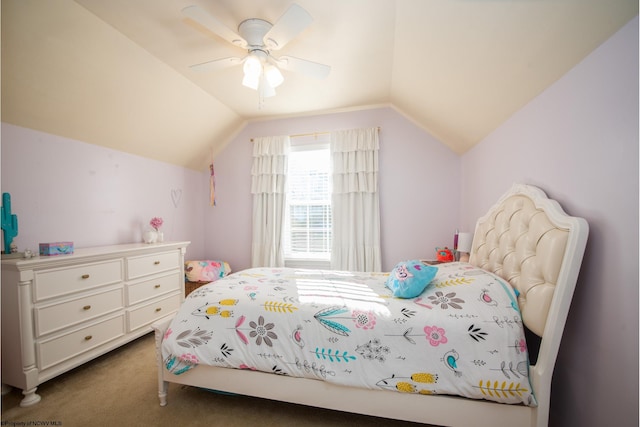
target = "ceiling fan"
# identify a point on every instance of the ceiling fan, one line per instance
(260, 38)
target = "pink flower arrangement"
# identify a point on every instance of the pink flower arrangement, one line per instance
(156, 223)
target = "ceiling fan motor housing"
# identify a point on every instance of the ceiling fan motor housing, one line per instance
(253, 31)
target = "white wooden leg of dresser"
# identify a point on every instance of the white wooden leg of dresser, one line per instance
(30, 397)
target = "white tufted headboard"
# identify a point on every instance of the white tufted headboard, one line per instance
(528, 240)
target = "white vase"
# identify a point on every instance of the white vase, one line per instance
(149, 236)
(160, 236)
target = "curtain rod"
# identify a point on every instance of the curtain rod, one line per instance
(299, 135)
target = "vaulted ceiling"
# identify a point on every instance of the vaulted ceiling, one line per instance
(116, 73)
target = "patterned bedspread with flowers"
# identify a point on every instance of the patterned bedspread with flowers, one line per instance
(462, 336)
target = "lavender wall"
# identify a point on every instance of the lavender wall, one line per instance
(69, 190)
(419, 199)
(66, 190)
(579, 141)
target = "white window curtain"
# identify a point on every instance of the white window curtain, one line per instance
(355, 201)
(268, 187)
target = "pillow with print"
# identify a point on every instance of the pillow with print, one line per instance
(408, 279)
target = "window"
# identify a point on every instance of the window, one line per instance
(308, 206)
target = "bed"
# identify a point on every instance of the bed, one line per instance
(430, 358)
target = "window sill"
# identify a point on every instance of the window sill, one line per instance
(317, 264)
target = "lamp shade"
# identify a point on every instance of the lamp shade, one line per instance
(464, 242)
(266, 90)
(252, 66)
(273, 75)
(251, 81)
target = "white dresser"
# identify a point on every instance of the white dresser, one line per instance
(61, 311)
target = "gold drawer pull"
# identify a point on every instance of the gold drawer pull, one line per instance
(88, 337)
(86, 307)
(85, 276)
(158, 309)
(157, 286)
(156, 263)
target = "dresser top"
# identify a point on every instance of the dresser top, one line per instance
(88, 254)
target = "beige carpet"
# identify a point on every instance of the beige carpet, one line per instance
(120, 389)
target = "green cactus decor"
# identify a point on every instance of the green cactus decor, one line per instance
(9, 222)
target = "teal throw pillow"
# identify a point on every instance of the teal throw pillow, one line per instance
(409, 278)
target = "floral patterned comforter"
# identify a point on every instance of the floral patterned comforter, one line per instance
(462, 336)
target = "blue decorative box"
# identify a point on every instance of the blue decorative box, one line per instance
(56, 248)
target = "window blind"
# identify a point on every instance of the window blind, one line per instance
(308, 211)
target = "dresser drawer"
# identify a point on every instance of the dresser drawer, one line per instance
(147, 314)
(56, 350)
(64, 281)
(53, 317)
(153, 288)
(150, 264)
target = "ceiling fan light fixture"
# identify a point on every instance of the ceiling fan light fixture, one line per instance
(251, 81)
(259, 37)
(252, 66)
(273, 75)
(266, 90)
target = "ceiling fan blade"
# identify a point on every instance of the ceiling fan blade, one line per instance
(309, 68)
(203, 18)
(289, 25)
(217, 64)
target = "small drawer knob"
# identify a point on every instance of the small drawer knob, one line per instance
(156, 263)
(88, 337)
(85, 276)
(158, 309)
(157, 286)
(86, 307)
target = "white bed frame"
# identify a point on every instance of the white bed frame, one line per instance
(525, 238)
